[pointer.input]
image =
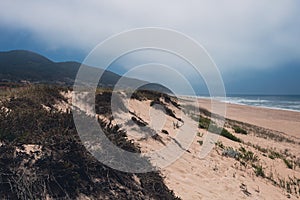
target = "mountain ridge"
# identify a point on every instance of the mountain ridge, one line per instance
(24, 65)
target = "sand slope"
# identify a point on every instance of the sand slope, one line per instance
(219, 177)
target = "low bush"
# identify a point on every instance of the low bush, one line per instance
(247, 156)
(288, 163)
(204, 122)
(220, 144)
(228, 135)
(259, 171)
(223, 132)
(273, 154)
(230, 152)
(238, 129)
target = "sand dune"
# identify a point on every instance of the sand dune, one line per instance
(272, 146)
(219, 177)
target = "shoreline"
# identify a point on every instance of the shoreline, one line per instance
(266, 107)
(285, 121)
(236, 103)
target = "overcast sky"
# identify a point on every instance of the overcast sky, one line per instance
(255, 44)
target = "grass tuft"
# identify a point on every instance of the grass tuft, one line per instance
(238, 129)
(288, 163)
(259, 171)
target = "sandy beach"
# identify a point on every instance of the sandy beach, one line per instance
(268, 162)
(223, 177)
(284, 121)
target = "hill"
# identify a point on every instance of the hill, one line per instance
(42, 157)
(20, 65)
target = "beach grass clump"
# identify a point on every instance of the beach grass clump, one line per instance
(259, 148)
(288, 163)
(273, 154)
(238, 129)
(228, 135)
(223, 132)
(63, 168)
(220, 144)
(204, 122)
(291, 185)
(259, 171)
(213, 128)
(230, 152)
(143, 95)
(247, 156)
(242, 155)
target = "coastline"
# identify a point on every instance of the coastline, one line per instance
(285, 121)
(243, 104)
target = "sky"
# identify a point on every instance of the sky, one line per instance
(255, 44)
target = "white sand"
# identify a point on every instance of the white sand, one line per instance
(216, 176)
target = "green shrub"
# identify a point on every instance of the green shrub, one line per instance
(288, 163)
(228, 135)
(220, 144)
(271, 156)
(247, 156)
(213, 128)
(238, 129)
(274, 154)
(230, 152)
(204, 122)
(259, 171)
(261, 149)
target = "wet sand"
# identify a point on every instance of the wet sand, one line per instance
(284, 121)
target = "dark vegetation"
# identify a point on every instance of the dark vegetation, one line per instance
(155, 96)
(238, 129)
(63, 169)
(284, 156)
(259, 171)
(262, 132)
(139, 122)
(206, 123)
(19, 65)
(24, 65)
(149, 95)
(223, 132)
(247, 158)
(288, 163)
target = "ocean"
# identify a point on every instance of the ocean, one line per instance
(282, 102)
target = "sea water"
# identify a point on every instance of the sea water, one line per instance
(283, 102)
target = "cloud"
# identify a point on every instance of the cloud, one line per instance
(238, 34)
